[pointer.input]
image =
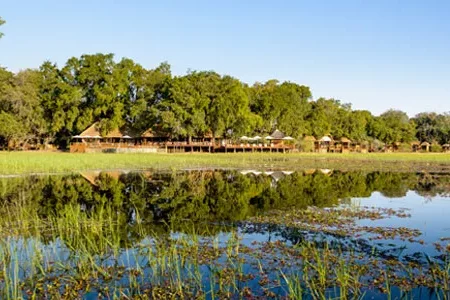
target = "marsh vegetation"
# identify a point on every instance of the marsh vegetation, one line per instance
(14, 163)
(225, 234)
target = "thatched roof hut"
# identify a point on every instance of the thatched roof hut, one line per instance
(277, 135)
(90, 132)
(152, 133)
(124, 132)
(345, 140)
(93, 131)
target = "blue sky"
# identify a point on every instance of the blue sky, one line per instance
(374, 54)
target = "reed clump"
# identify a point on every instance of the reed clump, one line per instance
(77, 252)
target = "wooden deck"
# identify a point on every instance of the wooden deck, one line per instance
(178, 147)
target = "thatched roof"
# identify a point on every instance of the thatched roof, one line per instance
(91, 131)
(415, 143)
(446, 145)
(94, 130)
(345, 140)
(425, 144)
(123, 132)
(150, 133)
(277, 135)
(116, 133)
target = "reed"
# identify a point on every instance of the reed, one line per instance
(76, 252)
(12, 163)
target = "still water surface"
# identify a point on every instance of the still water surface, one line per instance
(221, 209)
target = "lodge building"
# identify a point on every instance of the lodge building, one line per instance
(124, 140)
(127, 141)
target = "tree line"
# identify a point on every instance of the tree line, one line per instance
(50, 104)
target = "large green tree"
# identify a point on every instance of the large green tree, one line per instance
(183, 112)
(394, 126)
(21, 99)
(102, 90)
(60, 101)
(281, 106)
(228, 113)
(433, 127)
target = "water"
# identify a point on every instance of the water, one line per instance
(223, 211)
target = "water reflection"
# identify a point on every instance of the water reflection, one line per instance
(219, 196)
(131, 209)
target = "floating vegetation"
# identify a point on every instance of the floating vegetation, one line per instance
(218, 235)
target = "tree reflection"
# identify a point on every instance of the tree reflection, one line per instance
(163, 201)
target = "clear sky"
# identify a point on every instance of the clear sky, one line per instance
(374, 54)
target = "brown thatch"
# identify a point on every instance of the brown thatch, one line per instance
(345, 140)
(116, 133)
(94, 130)
(152, 133)
(277, 135)
(91, 131)
(415, 143)
(446, 145)
(425, 144)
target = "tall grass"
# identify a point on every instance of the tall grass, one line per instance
(43, 162)
(74, 253)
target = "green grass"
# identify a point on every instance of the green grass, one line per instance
(44, 162)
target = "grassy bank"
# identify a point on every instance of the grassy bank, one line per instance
(42, 162)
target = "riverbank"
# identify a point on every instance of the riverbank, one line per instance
(13, 163)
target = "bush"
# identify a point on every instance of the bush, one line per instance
(306, 146)
(435, 148)
(405, 147)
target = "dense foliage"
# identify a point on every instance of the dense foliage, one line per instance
(52, 103)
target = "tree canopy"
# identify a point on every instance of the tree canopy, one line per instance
(52, 103)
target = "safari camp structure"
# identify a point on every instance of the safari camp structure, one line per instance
(124, 140)
(327, 144)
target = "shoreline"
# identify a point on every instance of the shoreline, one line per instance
(21, 163)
